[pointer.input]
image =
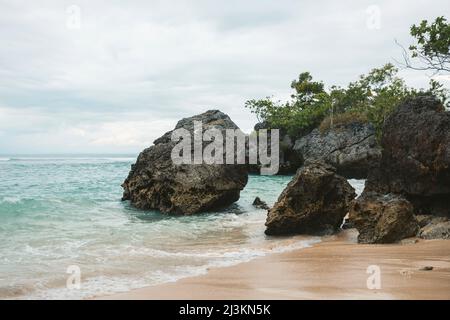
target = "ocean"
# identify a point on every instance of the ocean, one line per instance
(63, 211)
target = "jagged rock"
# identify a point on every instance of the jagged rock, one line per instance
(435, 228)
(314, 202)
(351, 148)
(258, 203)
(383, 218)
(155, 182)
(415, 160)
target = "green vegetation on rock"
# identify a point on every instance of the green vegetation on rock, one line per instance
(371, 98)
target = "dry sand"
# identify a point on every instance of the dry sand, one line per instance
(333, 269)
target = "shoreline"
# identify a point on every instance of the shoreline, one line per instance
(335, 268)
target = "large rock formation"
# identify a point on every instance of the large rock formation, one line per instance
(415, 160)
(289, 160)
(314, 202)
(383, 218)
(351, 148)
(155, 182)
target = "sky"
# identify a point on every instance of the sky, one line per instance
(111, 76)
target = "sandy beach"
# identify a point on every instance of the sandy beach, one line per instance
(336, 268)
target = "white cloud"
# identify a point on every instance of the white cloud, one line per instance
(149, 63)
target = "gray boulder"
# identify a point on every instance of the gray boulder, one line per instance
(415, 160)
(314, 202)
(383, 218)
(155, 182)
(351, 148)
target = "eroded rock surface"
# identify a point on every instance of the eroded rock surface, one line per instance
(415, 160)
(383, 218)
(314, 202)
(155, 182)
(351, 148)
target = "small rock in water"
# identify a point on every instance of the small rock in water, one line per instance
(258, 203)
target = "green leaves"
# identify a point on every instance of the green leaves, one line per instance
(371, 98)
(305, 111)
(433, 38)
(432, 49)
(305, 88)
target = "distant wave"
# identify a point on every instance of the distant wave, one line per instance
(9, 200)
(55, 159)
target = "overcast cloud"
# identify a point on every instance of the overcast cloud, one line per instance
(134, 68)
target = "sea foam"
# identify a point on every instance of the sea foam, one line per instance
(57, 214)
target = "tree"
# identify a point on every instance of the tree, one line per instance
(304, 112)
(432, 50)
(370, 98)
(306, 90)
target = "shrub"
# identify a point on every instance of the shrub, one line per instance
(371, 98)
(342, 119)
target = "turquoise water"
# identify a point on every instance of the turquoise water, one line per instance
(56, 212)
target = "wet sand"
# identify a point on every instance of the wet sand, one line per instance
(333, 269)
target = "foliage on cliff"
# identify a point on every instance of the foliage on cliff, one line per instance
(370, 98)
(431, 50)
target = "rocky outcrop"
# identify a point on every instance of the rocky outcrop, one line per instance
(314, 202)
(351, 148)
(383, 218)
(258, 203)
(433, 227)
(155, 182)
(415, 160)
